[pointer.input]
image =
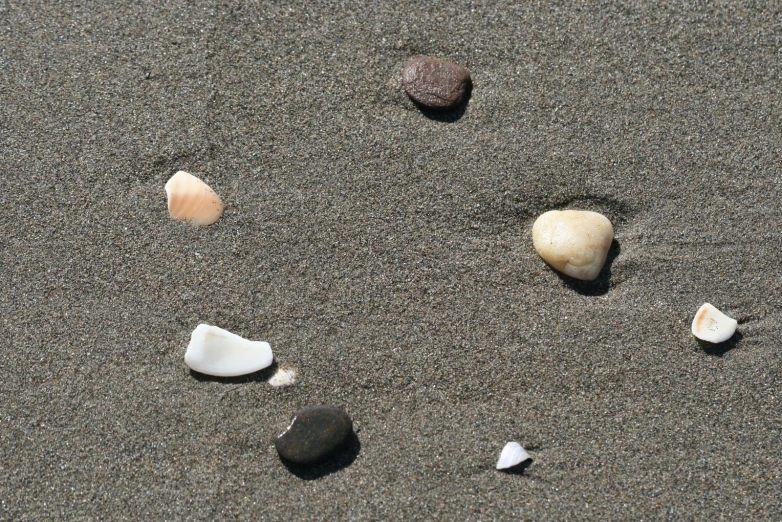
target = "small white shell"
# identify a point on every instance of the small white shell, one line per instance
(191, 199)
(512, 455)
(712, 325)
(218, 352)
(283, 377)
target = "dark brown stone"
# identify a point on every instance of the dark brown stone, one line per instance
(436, 84)
(314, 434)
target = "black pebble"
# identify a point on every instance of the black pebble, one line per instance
(314, 434)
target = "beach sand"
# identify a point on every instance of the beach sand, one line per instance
(385, 253)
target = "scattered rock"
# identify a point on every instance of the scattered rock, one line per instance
(436, 84)
(314, 434)
(512, 455)
(575, 242)
(218, 352)
(191, 199)
(712, 325)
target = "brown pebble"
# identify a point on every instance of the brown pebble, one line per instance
(436, 84)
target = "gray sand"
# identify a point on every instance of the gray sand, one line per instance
(388, 257)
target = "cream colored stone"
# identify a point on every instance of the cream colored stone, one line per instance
(574, 242)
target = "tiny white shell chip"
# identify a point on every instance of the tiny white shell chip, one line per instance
(512, 455)
(712, 325)
(574, 242)
(218, 352)
(283, 377)
(191, 199)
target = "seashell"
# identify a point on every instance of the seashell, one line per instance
(574, 242)
(191, 199)
(512, 455)
(712, 325)
(218, 352)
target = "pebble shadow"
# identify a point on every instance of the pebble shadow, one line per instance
(602, 284)
(341, 459)
(720, 349)
(519, 468)
(259, 376)
(450, 116)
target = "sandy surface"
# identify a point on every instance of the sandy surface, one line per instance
(387, 257)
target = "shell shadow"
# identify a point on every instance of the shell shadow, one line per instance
(342, 457)
(602, 284)
(448, 116)
(259, 376)
(519, 468)
(720, 349)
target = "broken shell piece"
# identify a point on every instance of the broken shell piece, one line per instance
(574, 242)
(512, 455)
(283, 377)
(712, 325)
(191, 199)
(218, 352)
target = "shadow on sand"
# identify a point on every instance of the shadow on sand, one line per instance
(449, 116)
(340, 459)
(259, 376)
(720, 349)
(602, 284)
(519, 468)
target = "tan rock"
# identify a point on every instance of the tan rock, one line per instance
(574, 242)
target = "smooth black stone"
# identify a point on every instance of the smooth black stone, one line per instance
(314, 434)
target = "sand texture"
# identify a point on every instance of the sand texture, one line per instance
(386, 255)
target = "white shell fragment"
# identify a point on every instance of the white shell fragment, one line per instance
(283, 377)
(574, 242)
(712, 325)
(218, 352)
(191, 199)
(512, 455)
